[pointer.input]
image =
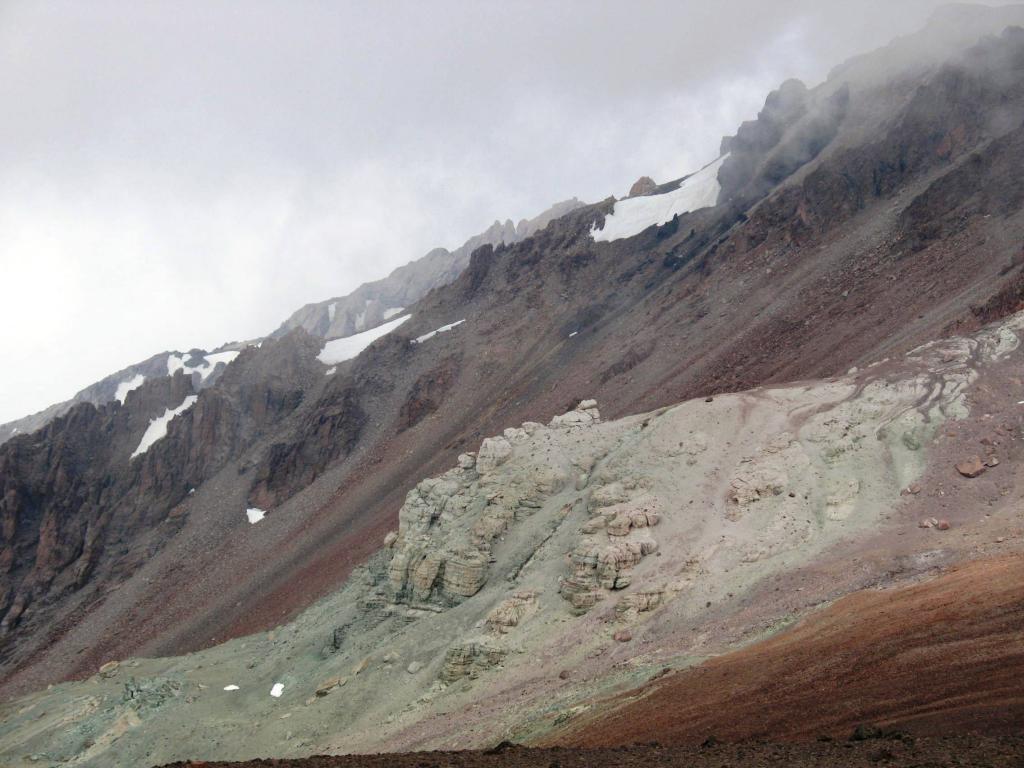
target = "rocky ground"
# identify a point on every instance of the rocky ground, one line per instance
(461, 547)
(903, 227)
(946, 653)
(565, 565)
(895, 750)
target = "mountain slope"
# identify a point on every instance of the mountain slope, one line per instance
(373, 303)
(203, 367)
(860, 660)
(561, 563)
(880, 238)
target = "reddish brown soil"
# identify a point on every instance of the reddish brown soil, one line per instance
(895, 751)
(942, 656)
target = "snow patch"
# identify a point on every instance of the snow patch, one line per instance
(158, 427)
(254, 514)
(331, 309)
(391, 312)
(442, 329)
(635, 214)
(361, 320)
(331, 371)
(573, 334)
(230, 687)
(177, 363)
(340, 350)
(127, 386)
(277, 690)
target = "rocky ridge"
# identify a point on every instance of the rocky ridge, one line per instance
(473, 601)
(372, 303)
(905, 227)
(204, 374)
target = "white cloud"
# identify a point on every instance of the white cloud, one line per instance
(184, 174)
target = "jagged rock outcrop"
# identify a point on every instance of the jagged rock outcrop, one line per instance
(206, 370)
(645, 185)
(469, 660)
(372, 303)
(860, 255)
(511, 611)
(792, 129)
(70, 493)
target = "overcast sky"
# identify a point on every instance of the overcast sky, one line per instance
(180, 174)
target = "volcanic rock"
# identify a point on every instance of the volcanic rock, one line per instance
(643, 186)
(971, 467)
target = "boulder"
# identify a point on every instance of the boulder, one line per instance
(516, 435)
(329, 685)
(643, 186)
(608, 495)
(469, 659)
(150, 693)
(639, 602)
(338, 638)
(494, 451)
(971, 467)
(582, 415)
(510, 612)
(464, 574)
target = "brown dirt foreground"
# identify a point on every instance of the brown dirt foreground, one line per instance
(896, 752)
(944, 656)
(932, 666)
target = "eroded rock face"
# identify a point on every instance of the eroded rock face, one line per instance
(469, 660)
(493, 453)
(511, 611)
(448, 524)
(74, 501)
(149, 694)
(373, 303)
(495, 581)
(584, 415)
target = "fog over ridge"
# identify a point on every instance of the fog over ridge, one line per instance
(184, 174)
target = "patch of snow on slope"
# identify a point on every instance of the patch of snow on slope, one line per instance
(442, 329)
(340, 350)
(635, 214)
(158, 427)
(277, 690)
(392, 311)
(254, 514)
(230, 687)
(127, 386)
(331, 371)
(177, 362)
(331, 309)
